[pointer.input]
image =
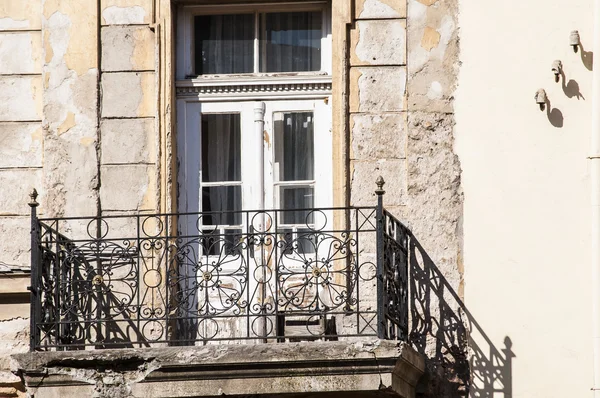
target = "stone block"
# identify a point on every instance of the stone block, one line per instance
(380, 136)
(20, 53)
(378, 89)
(20, 145)
(128, 94)
(14, 232)
(20, 15)
(128, 187)
(378, 43)
(71, 169)
(127, 48)
(20, 98)
(126, 12)
(376, 9)
(16, 185)
(128, 141)
(363, 182)
(14, 338)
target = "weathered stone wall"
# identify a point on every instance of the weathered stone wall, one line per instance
(129, 97)
(88, 99)
(78, 102)
(403, 70)
(77, 112)
(21, 149)
(21, 159)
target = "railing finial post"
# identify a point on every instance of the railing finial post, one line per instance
(33, 202)
(381, 321)
(380, 183)
(35, 266)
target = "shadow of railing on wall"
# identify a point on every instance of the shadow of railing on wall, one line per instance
(461, 358)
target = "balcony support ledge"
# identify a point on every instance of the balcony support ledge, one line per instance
(369, 367)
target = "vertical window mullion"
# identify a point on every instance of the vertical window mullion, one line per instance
(263, 47)
(257, 56)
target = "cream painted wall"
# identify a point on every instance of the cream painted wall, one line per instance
(526, 189)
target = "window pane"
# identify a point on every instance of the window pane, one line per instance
(224, 43)
(302, 241)
(221, 147)
(226, 202)
(225, 241)
(292, 42)
(294, 146)
(296, 198)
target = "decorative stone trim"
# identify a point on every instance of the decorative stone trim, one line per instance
(255, 88)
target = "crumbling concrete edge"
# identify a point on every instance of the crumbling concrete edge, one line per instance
(371, 365)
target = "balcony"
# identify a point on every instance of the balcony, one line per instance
(287, 284)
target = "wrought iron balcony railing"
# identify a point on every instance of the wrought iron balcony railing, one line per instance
(183, 279)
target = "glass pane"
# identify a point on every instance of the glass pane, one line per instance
(226, 202)
(224, 43)
(301, 241)
(294, 146)
(296, 198)
(221, 148)
(292, 42)
(225, 241)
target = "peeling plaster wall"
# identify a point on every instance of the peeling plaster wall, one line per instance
(78, 106)
(21, 148)
(129, 98)
(21, 160)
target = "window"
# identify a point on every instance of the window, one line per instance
(253, 90)
(287, 42)
(228, 40)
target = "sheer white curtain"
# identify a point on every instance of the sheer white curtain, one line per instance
(224, 43)
(295, 157)
(293, 41)
(221, 163)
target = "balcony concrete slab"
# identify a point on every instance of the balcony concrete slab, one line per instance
(358, 368)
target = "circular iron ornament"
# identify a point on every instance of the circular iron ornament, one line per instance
(207, 328)
(153, 330)
(262, 326)
(317, 280)
(97, 280)
(101, 231)
(152, 278)
(263, 274)
(319, 220)
(205, 229)
(367, 271)
(158, 226)
(207, 276)
(316, 271)
(261, 222)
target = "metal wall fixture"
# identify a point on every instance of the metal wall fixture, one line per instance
(574, 40)
(541, 98)
(557, 70)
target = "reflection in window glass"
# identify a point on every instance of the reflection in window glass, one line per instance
(292, 42)
(221, 147)
(294, 141)
(224, 43)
